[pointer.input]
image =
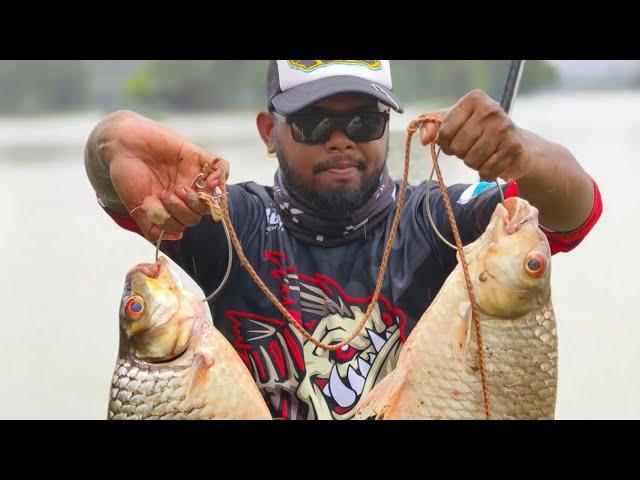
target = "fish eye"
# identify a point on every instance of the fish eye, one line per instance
(535, 264)
(134, 307)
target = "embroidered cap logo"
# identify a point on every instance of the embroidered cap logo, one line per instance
(310, 65)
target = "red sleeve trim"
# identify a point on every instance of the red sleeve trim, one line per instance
(567, 241)
(122, 219)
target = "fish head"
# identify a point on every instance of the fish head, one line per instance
(157, 317)
(510, 264)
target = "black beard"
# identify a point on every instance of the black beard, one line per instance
(333, 203)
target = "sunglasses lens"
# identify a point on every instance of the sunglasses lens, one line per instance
(366, 127)
(312, 128)
(317, 129)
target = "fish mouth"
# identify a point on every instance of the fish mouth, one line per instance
(355, 370)
(154, 275)
(519, 214)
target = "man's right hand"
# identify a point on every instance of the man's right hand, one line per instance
(153, 170)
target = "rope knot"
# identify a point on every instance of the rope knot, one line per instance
(423, 119)
(210, 165)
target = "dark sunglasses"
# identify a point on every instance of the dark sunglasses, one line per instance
(315, 129)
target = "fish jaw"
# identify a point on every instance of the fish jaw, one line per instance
(169, 318)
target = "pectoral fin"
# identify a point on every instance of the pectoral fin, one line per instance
(200, 371)
(461, 333)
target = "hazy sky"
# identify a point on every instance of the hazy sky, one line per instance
(570, 69)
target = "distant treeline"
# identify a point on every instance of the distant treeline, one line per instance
(28, 86)
(41, 86)
(228, 84)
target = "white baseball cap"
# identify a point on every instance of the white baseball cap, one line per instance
(295, 84)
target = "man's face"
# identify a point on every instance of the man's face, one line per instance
(339, 175)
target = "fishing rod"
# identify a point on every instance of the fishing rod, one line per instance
(511, 85)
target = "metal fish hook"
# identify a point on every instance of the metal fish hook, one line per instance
(427, 206)
(197, 183)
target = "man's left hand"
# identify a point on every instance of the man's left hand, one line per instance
(478, 131)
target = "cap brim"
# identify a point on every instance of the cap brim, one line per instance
(304, 95)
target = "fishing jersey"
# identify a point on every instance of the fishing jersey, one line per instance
(327, 290)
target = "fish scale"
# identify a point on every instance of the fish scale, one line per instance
(122, 383)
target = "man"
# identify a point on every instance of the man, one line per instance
(316, 238)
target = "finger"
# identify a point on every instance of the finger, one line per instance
(213, 181)
(225, 167)
(190, 197)
(154, 210)
(173, 226)
(495, 166)
(429, 130)
(466, 138)
(452, 123)
(193, 162)
(428, 133)
(222, 169)
(481, 151)
(150, 230)
(179, 210)
(156, 214)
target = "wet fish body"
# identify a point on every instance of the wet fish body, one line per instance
(438, 373)
(173, 363)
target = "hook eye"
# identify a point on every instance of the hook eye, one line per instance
(197, 183)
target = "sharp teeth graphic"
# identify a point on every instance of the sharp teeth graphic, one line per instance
(363, 366)
(376, 339)
(356, 381)
(326, 390)
(372, 357)
(388, 334)
(342, 394)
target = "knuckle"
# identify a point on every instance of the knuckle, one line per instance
(455, 149)
(476, 95)
(444, 135)
(479, 151)
(490, 109)
(502, 128)
(468, 161)
(514, 148)
(446, 149)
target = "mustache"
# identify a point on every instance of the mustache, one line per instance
(340, 162)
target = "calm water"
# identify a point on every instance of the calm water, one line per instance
(63, 260)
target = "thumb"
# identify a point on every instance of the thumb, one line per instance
(429, 130)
